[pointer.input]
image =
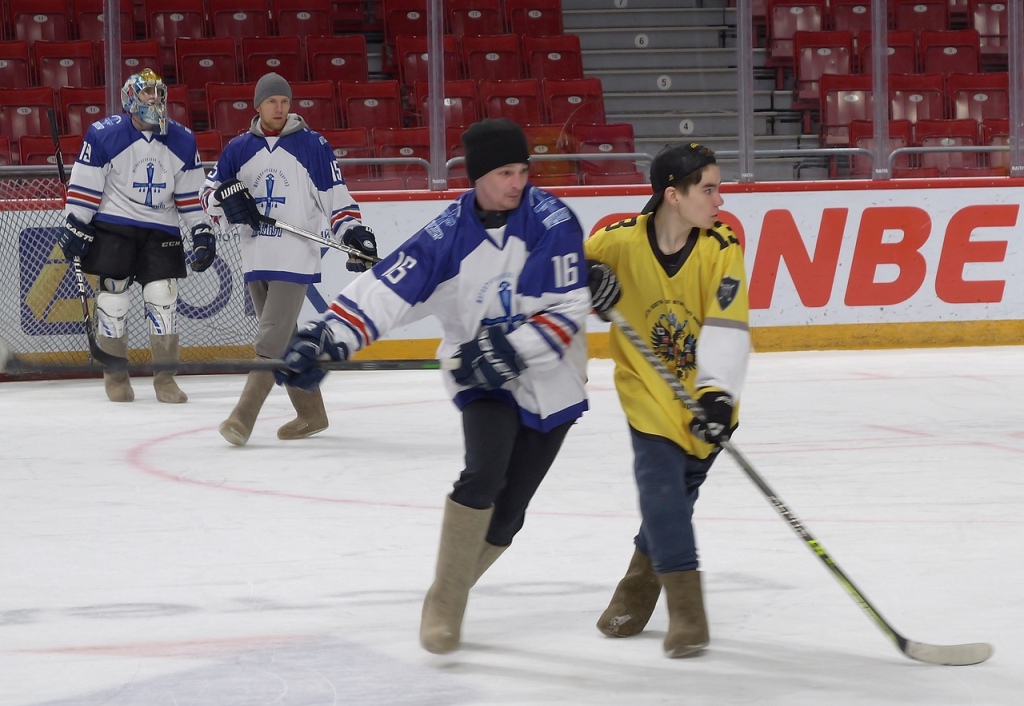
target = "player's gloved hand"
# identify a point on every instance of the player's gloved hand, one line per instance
(238, 204)
(604, 287)
(489, 361)
(204, 247)
(717, 425)
(76, 238)
(313, 342)
(362, 239)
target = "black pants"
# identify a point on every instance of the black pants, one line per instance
(505, 464)
(140, 255)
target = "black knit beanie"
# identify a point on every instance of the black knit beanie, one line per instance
(493, 143)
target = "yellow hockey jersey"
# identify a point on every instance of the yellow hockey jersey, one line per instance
(669, 304)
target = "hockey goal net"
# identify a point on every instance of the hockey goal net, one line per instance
(41, 313)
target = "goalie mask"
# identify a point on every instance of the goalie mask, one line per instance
(145, 95)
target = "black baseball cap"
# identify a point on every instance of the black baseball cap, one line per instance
(673, 164)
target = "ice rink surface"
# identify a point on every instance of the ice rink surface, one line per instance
(144, 561)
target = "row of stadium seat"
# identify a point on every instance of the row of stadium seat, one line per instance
(413, 143)
(79, 63)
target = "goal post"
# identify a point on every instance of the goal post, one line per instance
(41, 314)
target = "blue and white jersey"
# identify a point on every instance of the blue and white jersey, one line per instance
(529, 277)
(293, 177)
(139, 178)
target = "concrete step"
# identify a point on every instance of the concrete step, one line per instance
(695, 101)
(631, 17)
(724, 123)
(658, 37)
(641, 4)
(654, 59)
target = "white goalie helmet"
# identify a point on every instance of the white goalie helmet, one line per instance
(145, 95)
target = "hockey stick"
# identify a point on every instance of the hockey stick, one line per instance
(14, 366)
(968, 653)
(76, 265)
(326, 242)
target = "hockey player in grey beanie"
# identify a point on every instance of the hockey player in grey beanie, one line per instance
(493, 143)
(271, 85)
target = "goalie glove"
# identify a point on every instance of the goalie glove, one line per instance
(76, 238)
(238, 204)
(717, 425)
(362, 239)
(604, 288)
(488, 361)
(204, 247)
(313, 342)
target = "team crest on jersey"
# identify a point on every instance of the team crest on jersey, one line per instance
(148, 186)
(727, 290)
(671, 340)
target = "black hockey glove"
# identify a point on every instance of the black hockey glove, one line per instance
(204, 247)
(313, 342)
(362, 239)
(76, 238)
(489, 361)
(717, 425)
(604, 287)
(238, 204)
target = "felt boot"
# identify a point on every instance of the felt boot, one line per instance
(462, 541)
(115, 382)
(488, 555)
(687, 624)
(238, 426)
(634, 599)
(312, 417)
(165, 352)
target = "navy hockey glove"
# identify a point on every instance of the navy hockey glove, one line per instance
(204, 247)
(604, 287)
(489, 361)
(238, 204)
(362, 239)
(717, 425)
(76, 238)
(313, 342)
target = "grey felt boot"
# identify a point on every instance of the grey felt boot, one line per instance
(687, 624)
(462, 541)
(634, 599)
(115, 382)
(165, 352)
(488, 555)
(311, 416)
(238, 426)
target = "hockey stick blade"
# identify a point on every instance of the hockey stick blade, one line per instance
(954, 655)
(326, 242)
(14, 366)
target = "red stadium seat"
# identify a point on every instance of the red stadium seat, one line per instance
(178, 105)
(817, 53)
(136, 56)
(852, 15)
(920, 14)
(210, 143)
(950, 51)
(557, 56)
(990, 19)
(15, 64)
(369, 105)
(571, 101)
(280, 55)
(457, 178)
(948, 133)
(81, 107)
(5, 152)
(902, 51)
(538, 18)
(602, 140)
(474, 17)
(230, 106)
(545, 141)
(23, 111)
(301, 18)
(406, 143)
(339, 58)
(353, 143)
(996, 132)
(186, 19)
(786, 18)
(979, 96)
(495, 57)
(88, 16)
(315, 102)
(862, 134)
(201, 61)
(32, 20)
(461, 103)
(239, 18)
(916, 97)
(70, 63)
(38, 149)
(518, 100)
(843, 99)
(411, 59)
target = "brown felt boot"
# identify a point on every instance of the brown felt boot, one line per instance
(462, 541)
(488, 555)
(115, 382)
(165, 352)
(312, 417)
(634, 599)
(687, 624)
(238, 426)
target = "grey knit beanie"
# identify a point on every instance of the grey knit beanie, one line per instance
(271, 85)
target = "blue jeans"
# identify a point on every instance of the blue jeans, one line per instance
(668, 480)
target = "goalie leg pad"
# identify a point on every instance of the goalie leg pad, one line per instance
(161, 297)
(112, 306)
